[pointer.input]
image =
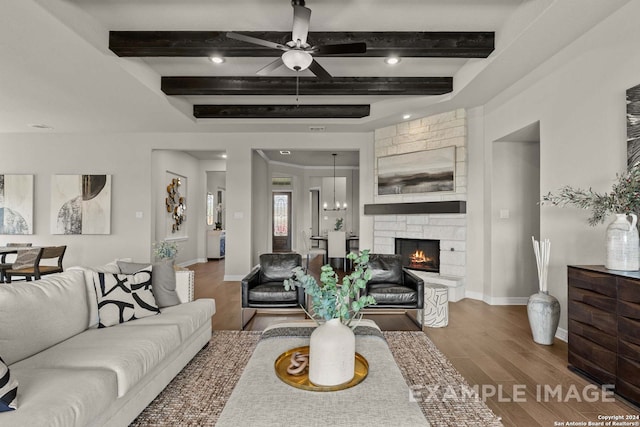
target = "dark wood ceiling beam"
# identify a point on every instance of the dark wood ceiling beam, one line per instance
(340, 111)
(458, 44)
(308, 86)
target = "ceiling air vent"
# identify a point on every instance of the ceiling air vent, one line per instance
(316, 128)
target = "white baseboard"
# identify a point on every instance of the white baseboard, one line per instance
(190, 262)
(496, 300)
(562, 334)
(232, 278)
(509, 300)
(474, 295)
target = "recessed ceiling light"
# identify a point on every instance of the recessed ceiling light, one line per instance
(40, 126)
(223, 155)
(392, 60)
(406, 116)
(217, 59)
(285, 152)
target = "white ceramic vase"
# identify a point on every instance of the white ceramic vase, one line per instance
(332, 351)
(543, 311)
(623, 252)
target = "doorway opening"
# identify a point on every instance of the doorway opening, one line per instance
(281, 227)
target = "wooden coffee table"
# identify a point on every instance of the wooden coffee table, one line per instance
(261, 399)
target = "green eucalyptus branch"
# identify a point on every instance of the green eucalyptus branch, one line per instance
(624, 197)
(334, 300)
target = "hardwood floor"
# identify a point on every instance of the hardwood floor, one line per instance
(525, 383)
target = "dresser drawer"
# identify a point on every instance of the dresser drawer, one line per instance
(605, 321)
(608, 341)
(629, 338)
(592, 298)
(598, 355)
(629, 290)
(591, 369)
(628, 384)
(600, 283)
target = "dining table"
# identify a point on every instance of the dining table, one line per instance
(351, 238)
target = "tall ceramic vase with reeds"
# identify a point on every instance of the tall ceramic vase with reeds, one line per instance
(543, 309)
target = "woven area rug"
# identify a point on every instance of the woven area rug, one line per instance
(199, 392)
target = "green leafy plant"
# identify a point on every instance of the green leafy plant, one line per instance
(624, 197)
(339, 222)
(332, 300)
(164, 249)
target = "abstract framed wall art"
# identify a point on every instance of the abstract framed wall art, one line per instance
(175, 206)
(16, 204)
(426, 171)
(81, 204)
(633, 125)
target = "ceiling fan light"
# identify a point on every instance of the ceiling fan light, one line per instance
(297, 60)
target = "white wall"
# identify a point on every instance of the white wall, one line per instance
(181, 164)
(579, 98)
(130, 166)
(127, 157)
(515, 217)
(261, 207)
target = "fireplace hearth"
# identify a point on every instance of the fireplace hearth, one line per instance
(419, 254)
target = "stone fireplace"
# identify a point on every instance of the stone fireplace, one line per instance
(447, 226)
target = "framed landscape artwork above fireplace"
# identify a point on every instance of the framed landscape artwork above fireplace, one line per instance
(425, 171)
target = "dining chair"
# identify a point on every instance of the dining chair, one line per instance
(310, 251)
(337, 246)
(29, 262)
(4, 265)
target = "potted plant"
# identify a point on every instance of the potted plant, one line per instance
(623, 252)
(165, 250)
(334, 306)
(624, 197)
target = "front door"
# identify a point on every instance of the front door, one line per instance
(281, 230)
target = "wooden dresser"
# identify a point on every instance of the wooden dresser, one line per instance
(604, 327)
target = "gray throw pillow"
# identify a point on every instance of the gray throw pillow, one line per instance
(163, 280)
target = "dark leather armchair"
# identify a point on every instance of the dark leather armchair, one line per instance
(263, 287)
(393, 286)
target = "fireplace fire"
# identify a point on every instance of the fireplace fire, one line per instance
(419, 254)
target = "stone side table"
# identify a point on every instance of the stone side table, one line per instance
(436, 305)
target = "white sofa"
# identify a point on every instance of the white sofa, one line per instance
(73, 374)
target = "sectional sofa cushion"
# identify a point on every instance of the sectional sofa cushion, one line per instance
(35, 316)
(124, 297)
(61, 397)
(8, 389)
(130, 352)
(163, 281)
(188, 316)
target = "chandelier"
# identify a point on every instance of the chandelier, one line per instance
(336, 205)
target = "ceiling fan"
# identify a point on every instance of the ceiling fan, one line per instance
(297, 54)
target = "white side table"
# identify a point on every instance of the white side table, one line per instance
(436, 305)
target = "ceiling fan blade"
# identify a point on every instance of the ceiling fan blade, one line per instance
(267, 69)
(257, 41)
(301, 18)
(319, 70)
(337, 49)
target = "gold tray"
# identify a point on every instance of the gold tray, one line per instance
(302, 381)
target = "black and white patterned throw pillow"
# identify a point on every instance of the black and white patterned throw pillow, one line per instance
(8, 389)
(124, 297)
